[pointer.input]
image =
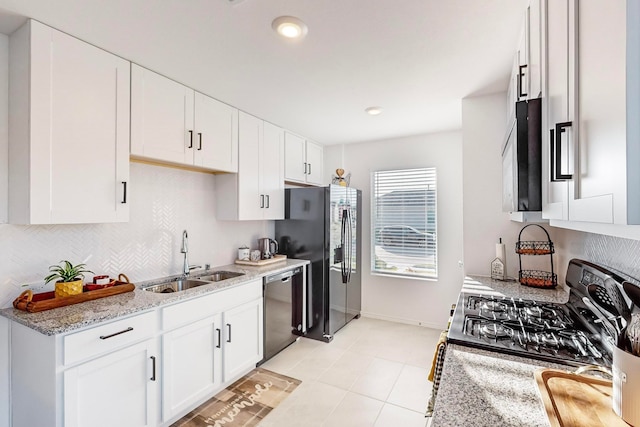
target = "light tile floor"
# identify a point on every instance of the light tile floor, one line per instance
(373, 373)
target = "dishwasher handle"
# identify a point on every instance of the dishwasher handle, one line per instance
(284, 276)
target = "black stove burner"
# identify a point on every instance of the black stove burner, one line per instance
(523, 327)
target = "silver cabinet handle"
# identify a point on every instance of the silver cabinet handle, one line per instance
(229, 335)
(305, 168)
(309, 169)
(262, 201)
(219, 332)
(267, 202)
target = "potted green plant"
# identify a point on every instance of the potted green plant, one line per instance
(70, 278)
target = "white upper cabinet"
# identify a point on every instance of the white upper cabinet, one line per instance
(161, 117)
(585, 157)
(69, 130)
(172, 123)
(216, 139)
(257, 191)
(303, 160)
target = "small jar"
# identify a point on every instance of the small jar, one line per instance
(244, 253)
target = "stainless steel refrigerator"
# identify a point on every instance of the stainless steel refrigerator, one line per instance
(322, 224)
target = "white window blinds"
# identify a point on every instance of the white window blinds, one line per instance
(403, 222)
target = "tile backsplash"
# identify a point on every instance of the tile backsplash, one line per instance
(164, 202)
(612, 252)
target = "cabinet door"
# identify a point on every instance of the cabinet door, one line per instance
(119, 389)
(243, 338)
(535, 49)
(273, 171)
(79, 101)
(557, 105)
(295, 168)
(315, 163)
(161, 118)
(250, 199)
(597, 192)
(216, 134)
(191, 369)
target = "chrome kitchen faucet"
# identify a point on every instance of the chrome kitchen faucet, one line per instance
(186, 268)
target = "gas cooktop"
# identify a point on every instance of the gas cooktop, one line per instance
(562, 333)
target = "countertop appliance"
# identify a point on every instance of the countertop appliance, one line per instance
(522, 160)
(267, 247)
(284, 310)
(322, 224)
(568, 333)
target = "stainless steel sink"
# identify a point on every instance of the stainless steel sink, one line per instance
(175, 286)
(218, 276)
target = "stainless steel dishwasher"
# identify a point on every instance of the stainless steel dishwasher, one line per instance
(284, 310)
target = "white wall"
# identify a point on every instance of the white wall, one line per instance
(4, 125)
(164, 201)
(398, 299)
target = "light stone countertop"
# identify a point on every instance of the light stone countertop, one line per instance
(480, 388)
(69, 318)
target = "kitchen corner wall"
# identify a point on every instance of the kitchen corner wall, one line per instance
(407, 300)
(164, 202)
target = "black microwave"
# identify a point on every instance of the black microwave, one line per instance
(522, 159)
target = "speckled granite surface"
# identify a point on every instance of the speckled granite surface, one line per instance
(65, 319)
(482, 388)
(487, 286)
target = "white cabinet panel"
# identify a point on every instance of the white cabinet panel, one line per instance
(161, 117)
(242, 338)
(272, 160)
(315, 163)
(69, 130)
(119, 389)
(294, 158)
(216, 138)
(303, 161)
(251, 200)
(586, 112)
(191, 365)
(257, 191)
(172, 123)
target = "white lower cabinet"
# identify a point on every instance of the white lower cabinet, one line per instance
(191, 365)
(119, 389)
(144, 370)
(208, 342)
(243, 338)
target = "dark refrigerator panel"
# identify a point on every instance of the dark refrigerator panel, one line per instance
(322, 225)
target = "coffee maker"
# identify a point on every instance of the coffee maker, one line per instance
(265, 245)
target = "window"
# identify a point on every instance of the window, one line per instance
(403, 223)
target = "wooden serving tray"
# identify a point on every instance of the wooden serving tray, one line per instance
(33, 303)
(577, 400)
(262, 262)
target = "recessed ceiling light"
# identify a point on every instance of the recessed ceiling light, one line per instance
(289, 27)
(373, 111)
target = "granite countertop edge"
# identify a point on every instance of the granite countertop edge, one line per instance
(73, 317)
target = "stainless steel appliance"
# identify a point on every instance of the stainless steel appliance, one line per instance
(267, 247)
(522, 160)
(284, 310)
(322, 224)
(570, 333)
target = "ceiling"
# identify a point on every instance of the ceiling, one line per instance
(415, 58)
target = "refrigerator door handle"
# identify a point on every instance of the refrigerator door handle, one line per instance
(350, 246)
(343, 238)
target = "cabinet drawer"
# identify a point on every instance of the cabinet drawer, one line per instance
(108, 337)
(198, 308)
